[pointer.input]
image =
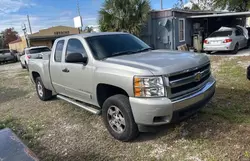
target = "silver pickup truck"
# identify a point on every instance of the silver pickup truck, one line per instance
(123, 79)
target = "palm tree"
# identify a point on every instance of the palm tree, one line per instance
(124, 15)
(88, 29)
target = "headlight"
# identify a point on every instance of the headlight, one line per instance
(148, 87)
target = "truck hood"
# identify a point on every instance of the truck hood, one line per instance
(161, 62)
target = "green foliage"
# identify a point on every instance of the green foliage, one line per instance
(124, 15)
(233, 5)
(88, 29)
(179, 4)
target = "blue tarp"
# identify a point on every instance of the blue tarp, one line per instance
(12, 148)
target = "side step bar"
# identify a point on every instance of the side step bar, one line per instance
(82, 105)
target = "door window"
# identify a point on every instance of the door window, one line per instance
(181, 30)
(59, 50)
(75, 46)
(238, 33)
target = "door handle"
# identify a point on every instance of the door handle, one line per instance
(66, 70)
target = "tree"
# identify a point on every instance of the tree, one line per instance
(88, 29)
(124, 15)
(179, 5)
(8, 35)
(199, 5)
(233, 5)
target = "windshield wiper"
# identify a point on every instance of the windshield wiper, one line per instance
(143, 49)
(123, 53)
(130, 52)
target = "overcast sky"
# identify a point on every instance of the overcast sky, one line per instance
(47, 13)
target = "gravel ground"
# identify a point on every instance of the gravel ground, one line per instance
(56, 130)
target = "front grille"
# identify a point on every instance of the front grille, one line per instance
(187, 81)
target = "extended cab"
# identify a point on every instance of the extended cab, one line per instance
(120, 77)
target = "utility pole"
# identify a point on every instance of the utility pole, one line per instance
(161, 5)
(28, 17)
(78, 8)
(79, 13)
(26, 35)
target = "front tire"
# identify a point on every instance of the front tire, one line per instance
(43, 93)
(118, 118)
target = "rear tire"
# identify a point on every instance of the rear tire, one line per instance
(236, 49)
(22, 66)
(118, 118)
(43, 93)
(26, 66)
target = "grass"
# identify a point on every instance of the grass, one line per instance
(230, 102)
(28, 134)
(56, 130)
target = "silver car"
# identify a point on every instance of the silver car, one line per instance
(228, 39)
(32, 53)
(6, 55)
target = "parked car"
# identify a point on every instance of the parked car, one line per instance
(119, 76)
(32, 53)
(6, 55)
(225, 39)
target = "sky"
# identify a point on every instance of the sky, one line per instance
(48, 13)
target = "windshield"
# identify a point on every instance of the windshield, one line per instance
(4, 51)
(105, 46)
(221, 34)
(37, 50)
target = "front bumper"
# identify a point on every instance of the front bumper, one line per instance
(159, 111)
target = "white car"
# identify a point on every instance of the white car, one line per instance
(32, 53)
(225, 39)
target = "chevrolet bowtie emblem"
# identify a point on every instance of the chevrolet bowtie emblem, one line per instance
(197, 77)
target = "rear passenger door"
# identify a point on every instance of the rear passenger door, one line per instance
(240, 38)
(56, 67)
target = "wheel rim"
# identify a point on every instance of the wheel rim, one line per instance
(116, 119)
(39, 88)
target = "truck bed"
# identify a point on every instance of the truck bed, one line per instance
(41, 66)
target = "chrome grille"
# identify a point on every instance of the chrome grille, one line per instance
(187, 81)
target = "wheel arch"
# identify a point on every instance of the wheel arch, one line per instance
(104, 91)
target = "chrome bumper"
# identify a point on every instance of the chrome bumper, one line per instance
(158, 111)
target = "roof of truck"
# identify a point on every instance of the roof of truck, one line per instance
(96, 34)
(36, 47)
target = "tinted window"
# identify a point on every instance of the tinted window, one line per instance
(75, 46)
(4, 51)
(38, 50)
(238, 33)
(59, 50)
(221, 34)
(104, 46)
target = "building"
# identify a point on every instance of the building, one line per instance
(45, 37)
(18, 44)
(168, 29)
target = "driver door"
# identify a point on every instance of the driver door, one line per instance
(77, 77)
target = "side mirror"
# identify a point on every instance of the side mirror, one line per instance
(76, 58)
